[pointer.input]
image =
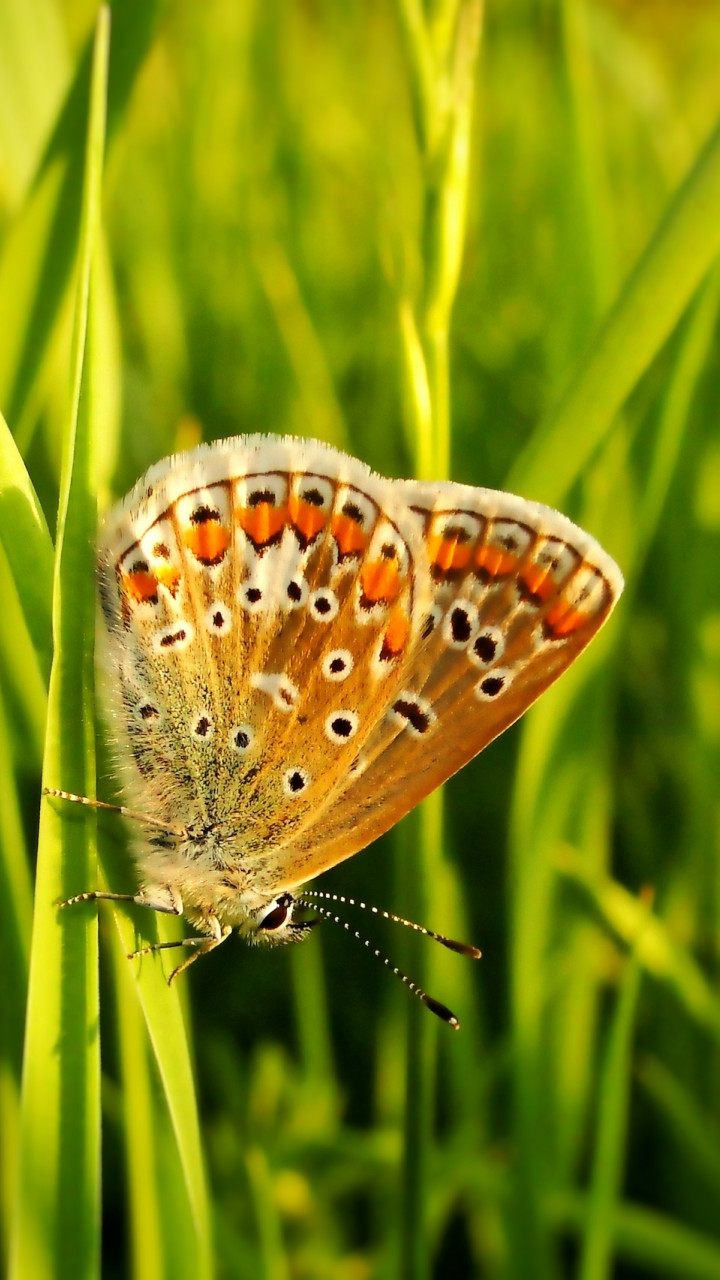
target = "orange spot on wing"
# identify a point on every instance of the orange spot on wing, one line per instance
(564, 618)
(208, 541)
(538, 581)
(448, 553)
(348, 534)
(380, 581)
(263, 522)
(396, 635)
(141, 586)
(306, 518)
(495, 560)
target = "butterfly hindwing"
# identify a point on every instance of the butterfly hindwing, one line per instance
(508, 604)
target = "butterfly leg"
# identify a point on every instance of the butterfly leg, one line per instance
(200, 946)
(166, 900)
(114, 808)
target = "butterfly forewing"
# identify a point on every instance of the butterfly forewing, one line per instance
(257, 617)
(516, 591)
(300, 650)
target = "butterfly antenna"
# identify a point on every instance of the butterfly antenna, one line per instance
(463, 948)
(435, 1006)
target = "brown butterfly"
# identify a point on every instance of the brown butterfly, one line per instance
(296, 651)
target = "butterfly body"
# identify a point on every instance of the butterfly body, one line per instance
(295, 651)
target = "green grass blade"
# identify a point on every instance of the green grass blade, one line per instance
(41, 246)
(546, 766)
(162, 1010)
(650, 304)
(318, 402)
(23, 710)
(34, 70)
(15, 923)
(660, 954)
(27, 544)
(57, 1224)
(272, 1251)
(679, 1108)
(438, 54)
(21, 678)
(588, 170)
(689, 366)
(611, 1132)
(660, 1246)
(141, 1156)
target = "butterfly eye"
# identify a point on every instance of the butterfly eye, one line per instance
(275, 919)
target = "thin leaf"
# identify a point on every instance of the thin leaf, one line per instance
(141, 1154)
(57, 1226)
(655, 1242)
(27, 545)
(693, 1127)
(15, 921)
(611, 1132)
(40, 248)
(34, 71)
(658, 952)
(168, 1036)
(651, 302)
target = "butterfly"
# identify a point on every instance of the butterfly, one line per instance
(295, 651)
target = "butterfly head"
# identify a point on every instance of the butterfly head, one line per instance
(272, 923)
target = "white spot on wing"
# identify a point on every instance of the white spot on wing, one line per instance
(323, 605)
(413, 713)
(296, 593)
(460, 624)
(272, 484)
(252, 597)
(283, 692)
(295, 781)
(487, 647)
(341, 726)
(175, 638)
(241, 738)
(337, 664)
(494, 684)
(218, 619)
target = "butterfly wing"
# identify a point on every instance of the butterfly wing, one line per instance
(301, 650)
(258, 595)
(511, 593)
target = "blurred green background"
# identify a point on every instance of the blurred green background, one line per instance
(266, 256)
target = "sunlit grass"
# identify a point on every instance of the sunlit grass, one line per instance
(292, 242)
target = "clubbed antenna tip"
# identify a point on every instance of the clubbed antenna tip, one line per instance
(462, 948)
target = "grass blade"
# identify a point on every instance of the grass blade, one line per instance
(168, 1036)
(57, 1225)
(660, 955)
(660, 1246)
(611, 1132)
(34, 71)
(141, 1156)
(15, 922)
(694, 1128)
(650, 304)
(164, 1026)
(439, 54)
(41, 246)
(26, 540)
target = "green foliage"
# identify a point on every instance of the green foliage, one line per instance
(341, 220)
